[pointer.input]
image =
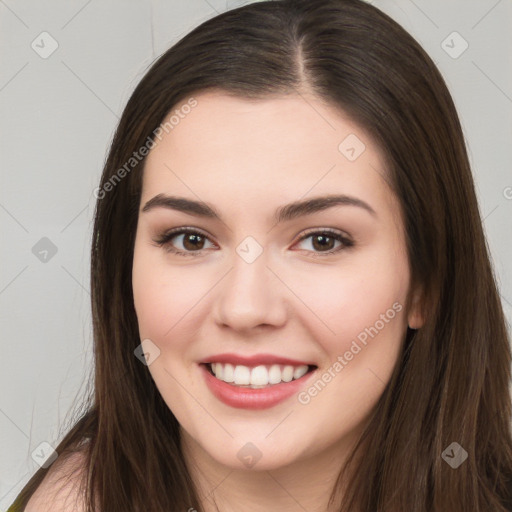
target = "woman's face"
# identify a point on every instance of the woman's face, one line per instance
(266, 280)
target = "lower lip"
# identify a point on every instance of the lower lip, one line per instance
(248, 398)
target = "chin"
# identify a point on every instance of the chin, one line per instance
(251, 456)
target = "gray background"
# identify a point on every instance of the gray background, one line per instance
(57, 117)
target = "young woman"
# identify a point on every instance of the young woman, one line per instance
(293, 302)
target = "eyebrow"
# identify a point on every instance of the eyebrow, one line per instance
(283, 213)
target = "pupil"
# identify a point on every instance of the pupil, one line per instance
(196, 238)
(323, 240)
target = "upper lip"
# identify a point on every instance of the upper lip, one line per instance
(254, 360)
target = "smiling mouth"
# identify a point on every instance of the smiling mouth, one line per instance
(257, 377)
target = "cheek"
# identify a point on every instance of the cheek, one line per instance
(365, 309)
(349, 299)
(167, 299)
(164, 300)
(155, 297)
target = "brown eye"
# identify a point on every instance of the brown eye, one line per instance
(324, 241)
(192, 242)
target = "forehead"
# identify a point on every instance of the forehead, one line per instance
(281, 147)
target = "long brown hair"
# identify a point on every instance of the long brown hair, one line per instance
(451, 381)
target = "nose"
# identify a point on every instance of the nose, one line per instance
(250, 296)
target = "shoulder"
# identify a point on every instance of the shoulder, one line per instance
(59, 491)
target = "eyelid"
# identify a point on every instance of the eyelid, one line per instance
(185, 229)
(332, 231)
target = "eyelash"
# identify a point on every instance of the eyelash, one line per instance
(165, 238)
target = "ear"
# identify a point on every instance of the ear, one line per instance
(415, 317)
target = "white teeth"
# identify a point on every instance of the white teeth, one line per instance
(218, 370)
(300, 371)
(274, 375)
(287, 374)
(258, 376)
(242, 375)
(229, 372)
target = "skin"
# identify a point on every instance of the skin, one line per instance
(246, 158)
